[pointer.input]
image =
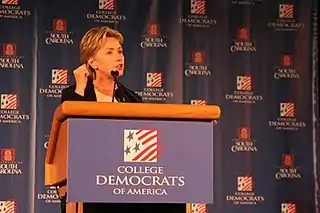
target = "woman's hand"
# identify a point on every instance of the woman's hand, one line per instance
(81, 75)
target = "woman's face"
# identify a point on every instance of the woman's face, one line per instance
(109, 58)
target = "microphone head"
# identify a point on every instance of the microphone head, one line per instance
(114, 73)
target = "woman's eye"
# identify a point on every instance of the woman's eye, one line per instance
(109, 53)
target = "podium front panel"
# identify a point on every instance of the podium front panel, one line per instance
(122, 161)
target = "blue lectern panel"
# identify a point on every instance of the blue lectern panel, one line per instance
(140, 161)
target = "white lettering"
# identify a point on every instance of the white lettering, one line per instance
(140, 170)
(143, 191)
(137, 180)
(100, 178)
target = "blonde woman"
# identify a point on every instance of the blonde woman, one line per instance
(100, 53)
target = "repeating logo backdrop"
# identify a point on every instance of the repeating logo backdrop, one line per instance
(250, 57)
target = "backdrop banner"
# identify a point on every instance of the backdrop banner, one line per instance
(253, 58)
(316, 83)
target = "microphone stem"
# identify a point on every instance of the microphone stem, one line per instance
(116, 82)
(114, 90)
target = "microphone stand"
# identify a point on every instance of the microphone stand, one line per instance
(114, 89)
(133, 95)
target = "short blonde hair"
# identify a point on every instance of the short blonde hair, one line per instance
(93, 40)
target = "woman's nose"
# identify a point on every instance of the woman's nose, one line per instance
(119, 58)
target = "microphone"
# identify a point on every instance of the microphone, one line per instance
(114, 74)
(130, 93)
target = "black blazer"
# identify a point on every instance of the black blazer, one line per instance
(121, 95)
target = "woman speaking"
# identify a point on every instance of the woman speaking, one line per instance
(100, 53)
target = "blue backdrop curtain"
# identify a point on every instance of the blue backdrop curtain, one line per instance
(316, 104)
(256, 59)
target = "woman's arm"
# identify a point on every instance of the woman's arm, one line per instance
(69, 94)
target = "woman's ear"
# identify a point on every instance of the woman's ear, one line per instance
(91, 68)
(92, 63)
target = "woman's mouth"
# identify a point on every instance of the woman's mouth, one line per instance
(119, 67)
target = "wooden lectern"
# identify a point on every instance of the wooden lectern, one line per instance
(56, 164)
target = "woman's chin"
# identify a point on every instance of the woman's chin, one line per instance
(108, 74)
(120, 73)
